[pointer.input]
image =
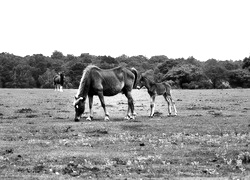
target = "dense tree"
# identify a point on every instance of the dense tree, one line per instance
(217, 74)
(86, 58)
(188, 76)
(123, 59)
(230, 65)
(7, 64)
(57, 55)
(246, 63)
(40, 64)
(75, 73)
(169, 64)
(70, 57)
(22, 77)
(239, 78)
(192, 60)
(107, 62)
(38, 71)
(46, 79)
(158, 59)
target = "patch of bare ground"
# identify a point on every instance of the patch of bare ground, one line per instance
(209, 139)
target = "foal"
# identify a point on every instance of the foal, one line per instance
(155, 89)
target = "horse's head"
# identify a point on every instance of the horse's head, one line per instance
(61, 74)
(79, 104)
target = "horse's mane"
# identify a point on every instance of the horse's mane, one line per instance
(85, 75)
(149, 79)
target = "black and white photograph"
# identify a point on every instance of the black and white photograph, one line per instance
(125, 89)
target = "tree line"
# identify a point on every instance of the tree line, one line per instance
(37, 70)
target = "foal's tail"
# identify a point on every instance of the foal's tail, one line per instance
(134, 71)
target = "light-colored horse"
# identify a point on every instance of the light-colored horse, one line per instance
(155, 89)
(100, 82)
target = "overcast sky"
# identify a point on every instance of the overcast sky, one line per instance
(204, 29)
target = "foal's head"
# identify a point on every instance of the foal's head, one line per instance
(79, 104)
(142, 82)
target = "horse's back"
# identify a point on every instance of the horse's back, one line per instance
(111, 81)
(162, 88)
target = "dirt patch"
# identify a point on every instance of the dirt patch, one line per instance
(25, 110)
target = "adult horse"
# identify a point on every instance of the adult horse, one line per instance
(155, 89)
(58, 82)
(100, 82)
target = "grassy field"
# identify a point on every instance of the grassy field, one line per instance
(209, 139)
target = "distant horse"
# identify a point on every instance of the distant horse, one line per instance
(155, 89)
(100, 82)
(58, 82)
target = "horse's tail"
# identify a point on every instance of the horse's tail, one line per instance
(134, 71)
(168, 88)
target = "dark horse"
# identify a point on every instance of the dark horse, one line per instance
(58, 82)
(155, 89)
(100, 82)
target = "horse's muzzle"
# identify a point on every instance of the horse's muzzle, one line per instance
(77, 118)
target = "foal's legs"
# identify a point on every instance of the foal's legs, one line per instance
(173, 104)
(170, 102)
(100, 95)
(90, 108)
(152, 105)
(130, 106)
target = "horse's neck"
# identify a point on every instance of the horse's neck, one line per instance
(150, 84)
(84, 87)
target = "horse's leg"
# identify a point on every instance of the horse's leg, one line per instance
(168, 99)
(128, 114)
(152, 105)
(170, 102)
(90, 108)
(173, 104)
(61, 88)
(100, 95)
(130, 106)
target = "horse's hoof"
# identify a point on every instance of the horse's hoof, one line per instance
(132, 118)
(127, 118)
(89, 118)
(106, 118)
